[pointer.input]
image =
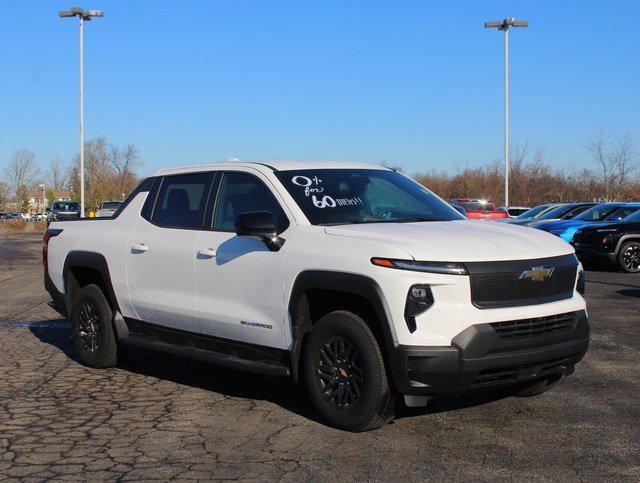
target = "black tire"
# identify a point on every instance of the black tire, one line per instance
(538, 387)
(93, 335)
(629, 257)
(345, 373)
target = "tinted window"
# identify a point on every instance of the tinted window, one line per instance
(110, 205)
(344, 196)
(182, 200)
(635, 217)
(66, 206)
(517, 211)
(576, 211)
(535, 212)
(597, 213)
(621, 213)
(243, 193)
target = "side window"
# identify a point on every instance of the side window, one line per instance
(622, 213)
(182, 200)
(242, 193)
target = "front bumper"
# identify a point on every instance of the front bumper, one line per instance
(480, 359)
(589, 253)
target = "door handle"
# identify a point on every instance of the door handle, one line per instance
(139, 248)
(207, 253)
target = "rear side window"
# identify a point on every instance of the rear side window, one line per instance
(182, 201)
(243, 193)
(622, 213)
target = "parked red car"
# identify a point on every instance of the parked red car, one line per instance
(479, 209)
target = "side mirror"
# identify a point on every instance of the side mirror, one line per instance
(462, 211)
(260, 225)
(616, 218)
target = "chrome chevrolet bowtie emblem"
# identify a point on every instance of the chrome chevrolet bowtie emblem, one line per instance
(536, 274)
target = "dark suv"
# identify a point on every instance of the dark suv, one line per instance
(63, 210)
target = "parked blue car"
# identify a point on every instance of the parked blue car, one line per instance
(605, 212)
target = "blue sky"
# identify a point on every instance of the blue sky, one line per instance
(412, 83)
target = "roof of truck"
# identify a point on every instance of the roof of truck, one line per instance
(273, 165)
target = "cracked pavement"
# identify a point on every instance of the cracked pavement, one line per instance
(160, 417)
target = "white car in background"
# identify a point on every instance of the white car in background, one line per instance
(514, 211)
(108, 208)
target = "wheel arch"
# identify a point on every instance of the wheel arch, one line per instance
(626, 238)
(82, 268)
(336, 289)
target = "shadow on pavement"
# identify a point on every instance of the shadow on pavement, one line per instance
(281, 391)
(187, 372)
(630, 293)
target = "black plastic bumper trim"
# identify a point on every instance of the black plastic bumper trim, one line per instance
(444, 371)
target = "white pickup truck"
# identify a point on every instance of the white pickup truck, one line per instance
(352, 279)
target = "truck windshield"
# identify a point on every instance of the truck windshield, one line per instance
(349, 196)
(66, 206)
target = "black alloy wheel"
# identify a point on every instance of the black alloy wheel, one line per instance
(338, 373)
(89, 329)
(345, 373)
(629, 257)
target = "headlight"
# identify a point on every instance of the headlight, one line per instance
(447, 268)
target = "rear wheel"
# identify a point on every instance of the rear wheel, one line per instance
(93, 334)
(345, 373)
(629, 257)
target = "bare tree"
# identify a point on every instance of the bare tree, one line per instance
(110, 172)
(57, 174)
(124, 162)
(21, 170)
(4, 194)
(616, 164)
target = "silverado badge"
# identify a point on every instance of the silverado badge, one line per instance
(536, 274)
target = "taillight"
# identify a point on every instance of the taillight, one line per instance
(48, 235)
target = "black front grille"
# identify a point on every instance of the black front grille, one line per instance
(511, 374)
(505, 283)
(518, 329)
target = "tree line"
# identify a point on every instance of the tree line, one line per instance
(611, 173)
(111, 173)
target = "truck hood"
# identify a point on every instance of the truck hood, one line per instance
(459, 241)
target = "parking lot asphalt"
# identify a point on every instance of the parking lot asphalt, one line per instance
(160, 417)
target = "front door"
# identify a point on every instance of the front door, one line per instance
(239, 282)
(160, 258)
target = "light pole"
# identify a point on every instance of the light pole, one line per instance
(44, 197)
(504, 26)
(83, 15)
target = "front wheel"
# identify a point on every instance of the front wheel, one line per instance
(345, 373)
(629, 257)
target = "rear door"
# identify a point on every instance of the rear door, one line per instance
(160, 256)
